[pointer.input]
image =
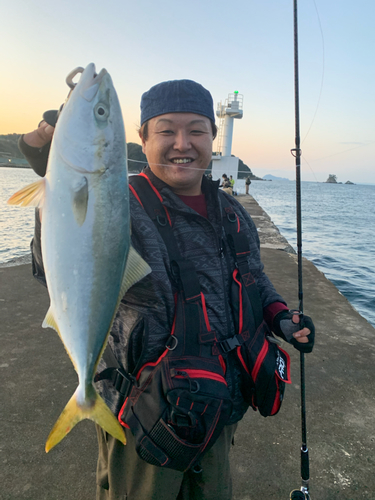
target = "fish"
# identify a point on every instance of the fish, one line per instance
(86, 238)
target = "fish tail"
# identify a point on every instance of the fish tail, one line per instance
(73, 413)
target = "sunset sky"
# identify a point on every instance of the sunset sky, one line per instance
(226, 46)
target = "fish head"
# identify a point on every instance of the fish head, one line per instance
(90, 135)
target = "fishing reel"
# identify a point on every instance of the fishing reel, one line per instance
(301, 494)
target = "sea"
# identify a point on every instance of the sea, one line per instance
(338, 234)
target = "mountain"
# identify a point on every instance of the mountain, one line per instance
(9, 146)
(270, 177)
(9, 150)
(136, 158)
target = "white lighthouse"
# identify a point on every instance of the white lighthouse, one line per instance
(222, 161)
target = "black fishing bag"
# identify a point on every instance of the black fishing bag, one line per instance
(265, 366)
(179, 404)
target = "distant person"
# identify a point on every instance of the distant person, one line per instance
(247, 184)
(226, 185)
(223, 178)
(197, 255)
(232, 181)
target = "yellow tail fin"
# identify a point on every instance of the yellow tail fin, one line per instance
(29, 196)
(72, 414)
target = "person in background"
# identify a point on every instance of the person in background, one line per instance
(247, 184)
(232, 181)
(226, 185)
(177, 132)
(223, 178)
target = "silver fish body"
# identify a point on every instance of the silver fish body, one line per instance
(86, 228)
(88, 259)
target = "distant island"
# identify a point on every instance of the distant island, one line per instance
(332, 179)
(270, 177)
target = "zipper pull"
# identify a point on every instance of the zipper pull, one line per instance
(221, 248)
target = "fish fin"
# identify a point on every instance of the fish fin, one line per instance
(73, 413)
(136, 269)
(29, 196)
(80, 200)
(50, 322)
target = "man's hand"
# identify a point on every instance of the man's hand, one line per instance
(297, 329)
(41, 136)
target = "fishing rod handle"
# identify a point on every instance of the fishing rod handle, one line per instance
(305, 469)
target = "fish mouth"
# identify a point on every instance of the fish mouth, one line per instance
(97, 78)
(89, 82)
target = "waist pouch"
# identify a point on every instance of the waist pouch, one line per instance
(265, 366)
(179, 404)
(266, 370)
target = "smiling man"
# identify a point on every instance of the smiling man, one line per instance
(179, 149)
(177, 131)
(200, 318)
(178, 144)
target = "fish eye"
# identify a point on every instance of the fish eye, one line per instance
(101, 111)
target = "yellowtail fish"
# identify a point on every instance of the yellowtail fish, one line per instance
(88, 258)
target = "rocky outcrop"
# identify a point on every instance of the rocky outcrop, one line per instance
(332, 179)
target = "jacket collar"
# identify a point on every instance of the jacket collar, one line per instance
(208, 186)
(171, 200)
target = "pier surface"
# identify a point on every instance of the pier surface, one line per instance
(37, 380)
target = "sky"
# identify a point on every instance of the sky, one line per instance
(245, 46)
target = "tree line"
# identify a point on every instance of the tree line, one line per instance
(136, 158)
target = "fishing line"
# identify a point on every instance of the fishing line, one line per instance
(345, 151)
(323, 69)
(319, 99)
(185, 166)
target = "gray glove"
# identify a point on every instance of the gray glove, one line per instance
(284, 327)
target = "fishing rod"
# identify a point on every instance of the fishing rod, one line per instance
(303, 493)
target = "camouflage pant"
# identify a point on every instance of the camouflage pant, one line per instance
(122, 475)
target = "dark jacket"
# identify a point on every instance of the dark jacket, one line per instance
(144, 320)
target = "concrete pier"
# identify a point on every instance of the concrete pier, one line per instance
(37, 380)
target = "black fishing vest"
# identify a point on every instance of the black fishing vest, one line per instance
(177, 406)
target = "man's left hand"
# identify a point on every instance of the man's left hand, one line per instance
(297, 329)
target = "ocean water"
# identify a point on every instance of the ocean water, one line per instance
(338, 232)
(16, 224)
(338, 223)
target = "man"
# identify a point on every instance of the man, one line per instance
(226, 185)
(177, 132)
(247, 183)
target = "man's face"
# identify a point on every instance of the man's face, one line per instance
(179, 149)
